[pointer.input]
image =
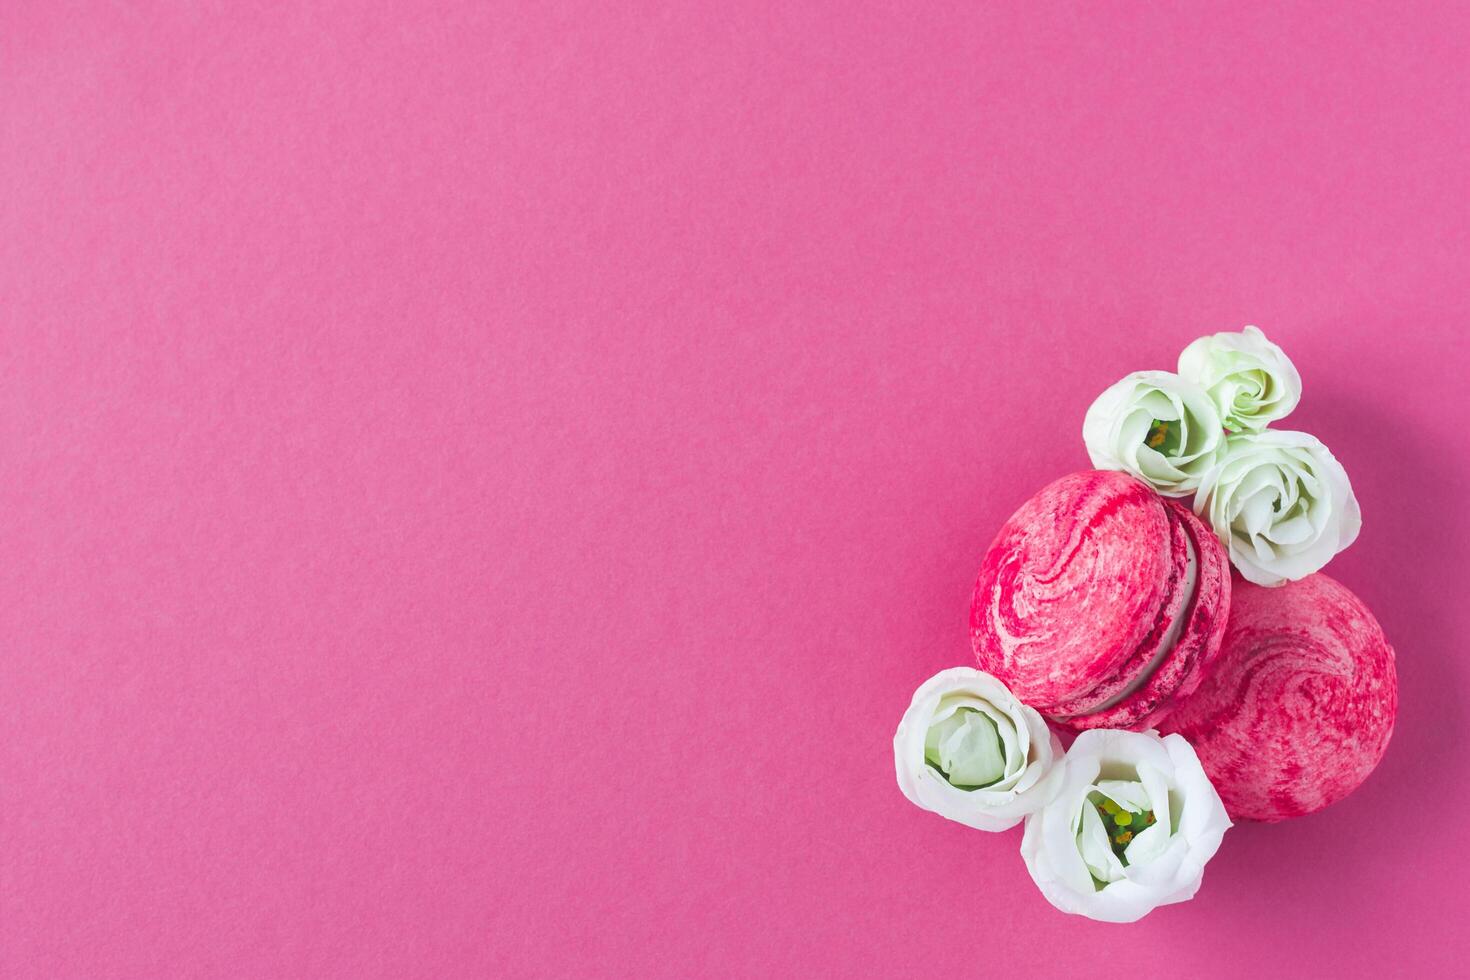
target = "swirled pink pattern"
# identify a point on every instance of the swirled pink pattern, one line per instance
(1301, 703)
(1074, 600)
(1153, 691)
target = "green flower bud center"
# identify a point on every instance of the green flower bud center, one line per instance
(1121, 824)
(1164, 436)
(965, 748)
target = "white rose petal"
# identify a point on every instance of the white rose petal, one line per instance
(1252, 381)
(1066, 847)
(968, 750)
(1281, 504)
(1161, 428)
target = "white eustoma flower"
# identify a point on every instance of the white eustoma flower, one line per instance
(1252, 381)
(1161, 428)
(1281, 504)
(968, 750)
(1131, 827)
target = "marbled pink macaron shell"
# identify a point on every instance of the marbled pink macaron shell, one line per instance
(1300, 705)
(1075, 596)
(1183, 667)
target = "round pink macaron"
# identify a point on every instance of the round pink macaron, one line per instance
(1301, 703)
(1101, 603)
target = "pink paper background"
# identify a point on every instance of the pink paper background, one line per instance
(478, 485)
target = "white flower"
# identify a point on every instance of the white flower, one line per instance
(1251, 380)
(1159, 427)
(968, 750)
(1130, 829)
(1281, 503)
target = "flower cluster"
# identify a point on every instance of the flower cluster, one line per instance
(1118, 825)
(1279, 501)
(1123, 822)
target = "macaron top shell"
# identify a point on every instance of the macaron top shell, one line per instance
(1171, 664)
(1300, 704)
(1099, 600)
(1089, 549)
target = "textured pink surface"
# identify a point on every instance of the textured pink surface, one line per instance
(1076, 602)
(1185, 664)
(1074, 583)
(1301, 704)
(479, 484)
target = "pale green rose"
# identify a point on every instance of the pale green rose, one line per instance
(1161, 428)
(1252, 381)
(968, 750)
(1281, 504)
(1130, 828)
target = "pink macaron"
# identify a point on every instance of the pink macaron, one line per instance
(1101, 603)
(1300, 705)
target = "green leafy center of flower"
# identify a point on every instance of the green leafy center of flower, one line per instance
(965, 748)
(1164, 436)
(1120, 823)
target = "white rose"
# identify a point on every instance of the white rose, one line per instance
(1131, 827)
(968, 750)
(1159, 427)
(1281, 503)
(1251, 380)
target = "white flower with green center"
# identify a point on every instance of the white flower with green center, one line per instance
(1130, 828)
(1281, 504)
(968, 750)
(1161, 428)
(1252, 381)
